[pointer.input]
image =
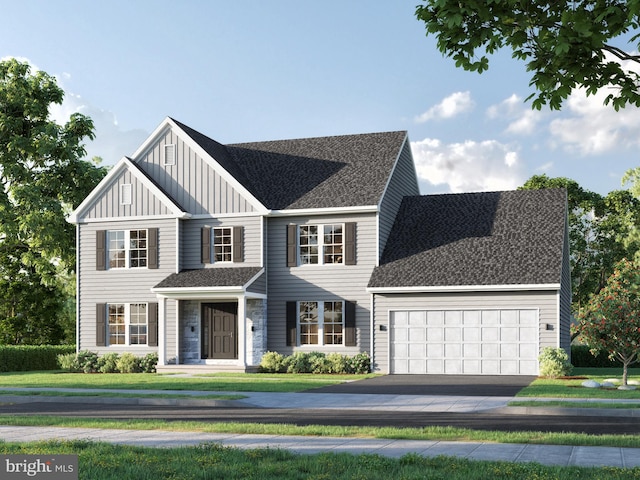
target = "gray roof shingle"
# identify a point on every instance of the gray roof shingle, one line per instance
(210, 277)
(322, 172)
(491, 238)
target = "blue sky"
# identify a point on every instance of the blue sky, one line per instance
(263, 70)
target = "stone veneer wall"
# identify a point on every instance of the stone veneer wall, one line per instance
(256, 330)
(189, 340)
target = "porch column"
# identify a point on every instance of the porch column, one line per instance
(242, 330)
(162, 341)
(177, 332)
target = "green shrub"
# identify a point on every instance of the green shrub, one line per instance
(583, 358)
(554, 362)
(272, 362)
(69, 362)
(360, 363)
(298, 363)
(148, 363)
(128, 363)
(338, 363)
(22, 358)
(318, 363)
(108, 363)
(87, 361)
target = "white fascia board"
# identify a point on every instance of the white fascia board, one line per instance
(467, 288)
(253, 279)
(323, 211)
(259, 207)
(133, 218)
(126, 164)
(186, 293)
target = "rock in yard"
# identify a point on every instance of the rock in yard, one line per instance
(626, 387)
(590, 384)
(606, 384)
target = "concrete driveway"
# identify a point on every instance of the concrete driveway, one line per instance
(458, 385)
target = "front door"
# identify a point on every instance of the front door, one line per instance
(219, 330)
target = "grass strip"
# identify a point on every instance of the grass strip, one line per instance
(425, 433)
(99, 461)
(54, 393)
(570, 404)
(250, 382)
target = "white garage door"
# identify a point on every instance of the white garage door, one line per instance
(478, 342)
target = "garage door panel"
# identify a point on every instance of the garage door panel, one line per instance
(477, 341)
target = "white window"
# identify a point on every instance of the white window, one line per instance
(125, 194)
(321, 323)
(321, 244)
(169, 154)
(127, 323)
(222, 244)
(127, 248)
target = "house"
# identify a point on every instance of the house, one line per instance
(211, 255)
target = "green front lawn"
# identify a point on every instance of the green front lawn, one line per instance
(99, 461)
(220, 382)
(572, 387)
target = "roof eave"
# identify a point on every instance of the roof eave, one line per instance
(466, 288)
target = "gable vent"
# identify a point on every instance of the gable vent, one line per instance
(169, 154)
(125, 194)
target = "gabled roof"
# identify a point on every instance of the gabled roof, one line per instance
(123, 165)
(475, 239)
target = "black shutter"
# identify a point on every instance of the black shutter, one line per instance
(152, 319)
(101, 325)
(292, 320)
(350, 243)
(205, 254)
(350, 324)
(292, 259)
(101, 250)
(238, 239)
(152, 248)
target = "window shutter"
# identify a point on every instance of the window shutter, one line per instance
(152, 248)
(292, 259)
(205, 254)
(292, 320)
(101, 324)
(350, 324)
(238, 253)
(152, 322)
(350, 243)
(101, 250)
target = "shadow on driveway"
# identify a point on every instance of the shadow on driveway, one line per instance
(459, 385)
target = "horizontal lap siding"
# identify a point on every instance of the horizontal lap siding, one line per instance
(192, 182)
(546, 302)
(565, 298)
(403, 182)
(119, 285)
(191, 239)
(319, 283)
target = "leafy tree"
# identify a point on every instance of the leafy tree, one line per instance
(601, 232)
(611, 320)
(42, 177)
(566, 44)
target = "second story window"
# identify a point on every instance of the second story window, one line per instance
(127, 248)
(222, 244)
(320, 244)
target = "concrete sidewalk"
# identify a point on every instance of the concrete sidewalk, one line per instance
(543, 454)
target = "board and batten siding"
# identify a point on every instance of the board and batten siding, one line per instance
(403, 182)
(130, 285)
(143, 201)
(192, 182)
(319, 283)
(191, 241)
(544, 301)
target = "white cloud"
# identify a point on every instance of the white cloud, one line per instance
(469, 166)
(449, 107)
(522, 119)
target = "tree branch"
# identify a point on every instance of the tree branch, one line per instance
(621, 54)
